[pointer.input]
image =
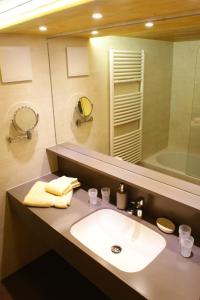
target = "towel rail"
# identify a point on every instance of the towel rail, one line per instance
(126, 67)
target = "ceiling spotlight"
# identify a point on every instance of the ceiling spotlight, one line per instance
(43, 28)
(149, 24)
(94, 32)
(97, 16)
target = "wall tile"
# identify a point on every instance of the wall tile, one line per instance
(25, 160)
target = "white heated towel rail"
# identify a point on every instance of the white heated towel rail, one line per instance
(126, 104)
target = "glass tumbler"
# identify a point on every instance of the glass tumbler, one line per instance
(184, 231)
(92, 196)
(186, 246)
(105, 192)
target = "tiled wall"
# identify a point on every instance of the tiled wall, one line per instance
(25, 160)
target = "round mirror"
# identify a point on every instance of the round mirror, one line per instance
(85, 107)
(25, 119)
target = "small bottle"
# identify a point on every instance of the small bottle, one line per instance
(121, 197)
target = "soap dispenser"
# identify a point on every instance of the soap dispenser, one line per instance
(122, 197)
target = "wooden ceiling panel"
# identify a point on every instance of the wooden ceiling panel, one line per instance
(173, 19)
(185, 28)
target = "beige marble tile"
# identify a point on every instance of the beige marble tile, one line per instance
(23, 161)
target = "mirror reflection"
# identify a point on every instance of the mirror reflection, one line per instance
(170, 107)
(84, 107)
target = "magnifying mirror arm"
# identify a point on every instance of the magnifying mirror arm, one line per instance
(22, 136)
(83, 120)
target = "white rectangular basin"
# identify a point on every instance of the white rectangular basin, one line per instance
(105, 228)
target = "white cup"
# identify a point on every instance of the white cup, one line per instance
(105, 192)
(92, 196)
(186, 246)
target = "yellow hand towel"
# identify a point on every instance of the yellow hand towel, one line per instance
(63, 201)
(38, 197)
(75, 184)
(60, 186)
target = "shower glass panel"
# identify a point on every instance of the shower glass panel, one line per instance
(193, 155)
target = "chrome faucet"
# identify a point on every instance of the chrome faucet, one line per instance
(136, 207)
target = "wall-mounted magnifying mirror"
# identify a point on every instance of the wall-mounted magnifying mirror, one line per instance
(84, 109)
(24, 121)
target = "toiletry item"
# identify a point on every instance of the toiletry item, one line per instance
(121, 197)
(186, 246)
(92, 196)
(165, 225)
(105, 192)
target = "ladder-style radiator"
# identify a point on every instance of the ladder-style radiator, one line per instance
(126, 104)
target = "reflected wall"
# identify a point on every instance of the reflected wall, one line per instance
(169, 80)
(193, 157)
(95, 135)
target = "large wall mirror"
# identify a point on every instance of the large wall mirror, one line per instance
(171, 98)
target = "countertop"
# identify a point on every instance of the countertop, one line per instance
(169, 276)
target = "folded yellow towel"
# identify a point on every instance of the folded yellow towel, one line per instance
(37, 196)
(61, 185)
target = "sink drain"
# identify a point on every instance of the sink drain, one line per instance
(116, 249)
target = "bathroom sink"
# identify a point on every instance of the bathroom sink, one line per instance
(123, 242)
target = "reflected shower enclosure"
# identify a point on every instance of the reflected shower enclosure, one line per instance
(181, 157)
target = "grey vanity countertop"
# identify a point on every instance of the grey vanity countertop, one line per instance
(169, 276)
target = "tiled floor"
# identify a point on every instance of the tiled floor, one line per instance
(50, 278)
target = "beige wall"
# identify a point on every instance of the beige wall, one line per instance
(183, 78)
(157, 89)
(24, 160)
(67, 91)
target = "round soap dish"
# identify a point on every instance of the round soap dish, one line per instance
(165, 225)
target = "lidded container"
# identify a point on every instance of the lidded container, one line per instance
(122, 199)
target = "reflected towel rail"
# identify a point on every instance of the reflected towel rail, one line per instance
(126, 104)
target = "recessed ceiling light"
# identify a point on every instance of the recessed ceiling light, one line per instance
(97, 16)
(94, 32)
(43, 28)
(149, 24)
